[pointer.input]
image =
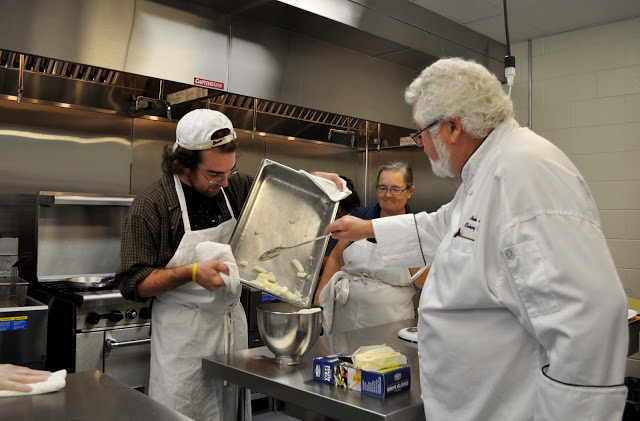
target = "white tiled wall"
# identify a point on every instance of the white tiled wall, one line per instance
(586, 100)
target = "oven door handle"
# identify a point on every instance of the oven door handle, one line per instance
(111, 344)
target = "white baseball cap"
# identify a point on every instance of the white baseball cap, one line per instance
(195, 129)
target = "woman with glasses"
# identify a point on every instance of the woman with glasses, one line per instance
(356, 290)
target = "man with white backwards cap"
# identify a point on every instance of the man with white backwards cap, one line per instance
(195, 311)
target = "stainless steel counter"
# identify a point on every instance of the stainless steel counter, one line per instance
(256, 369)
(91, 396)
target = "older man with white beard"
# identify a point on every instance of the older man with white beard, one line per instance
(522, 316)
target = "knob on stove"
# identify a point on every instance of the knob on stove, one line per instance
(114, 316)
(131, 314)
(93, 318)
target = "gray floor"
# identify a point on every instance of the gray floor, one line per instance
(261, 411)
(272, 416)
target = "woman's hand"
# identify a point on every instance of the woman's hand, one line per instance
(350, 228)
(331, 177)
(15, 377)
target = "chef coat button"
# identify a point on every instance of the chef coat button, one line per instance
(509, 254)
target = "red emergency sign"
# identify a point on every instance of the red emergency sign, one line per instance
(208, 83)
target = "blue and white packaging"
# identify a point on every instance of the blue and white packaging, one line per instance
(332, 369)
(385, 382)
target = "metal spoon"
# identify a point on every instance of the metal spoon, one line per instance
(271, 253)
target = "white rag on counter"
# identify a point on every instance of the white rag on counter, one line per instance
(209, 250)
(337, 289)
(55, 382)
(329, 187)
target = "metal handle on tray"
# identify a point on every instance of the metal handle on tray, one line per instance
(111, 344)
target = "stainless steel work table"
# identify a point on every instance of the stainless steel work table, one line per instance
(91, 396)
(256, 370)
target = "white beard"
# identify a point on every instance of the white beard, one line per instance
(441, 167)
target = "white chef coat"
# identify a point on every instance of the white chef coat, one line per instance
(190, 323)
(522, 279)
(367, 292)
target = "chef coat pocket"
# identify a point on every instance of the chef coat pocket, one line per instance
(561, 401)
(526, 266)
(462, 245)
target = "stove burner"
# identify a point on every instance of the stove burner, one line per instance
(62, 286)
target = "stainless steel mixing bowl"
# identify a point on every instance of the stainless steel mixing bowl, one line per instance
(288, 333)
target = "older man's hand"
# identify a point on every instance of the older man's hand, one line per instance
(350, 228)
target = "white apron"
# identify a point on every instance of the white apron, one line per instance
(190, 323)
(371, 294)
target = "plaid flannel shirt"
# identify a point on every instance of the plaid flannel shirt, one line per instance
(153, 229)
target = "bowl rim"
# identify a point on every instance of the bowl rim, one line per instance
(261, 309)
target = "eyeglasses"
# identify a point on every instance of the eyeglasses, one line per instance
(394, 190)
(219, 179)
(417, 136)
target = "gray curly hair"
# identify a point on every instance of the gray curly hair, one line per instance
(463, 88)
(400, 166)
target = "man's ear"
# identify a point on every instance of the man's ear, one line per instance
(454, 127)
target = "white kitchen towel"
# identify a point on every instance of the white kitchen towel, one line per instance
(337, 289)
(329, 187)
(55, 382)
(208, 250)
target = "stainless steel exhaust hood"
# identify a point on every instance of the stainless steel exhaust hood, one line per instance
(346, 57)
(53, 82)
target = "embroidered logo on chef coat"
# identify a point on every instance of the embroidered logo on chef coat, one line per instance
(469, 229)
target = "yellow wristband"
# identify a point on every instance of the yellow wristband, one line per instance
(195, 270)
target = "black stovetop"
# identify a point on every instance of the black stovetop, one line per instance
(62, 290)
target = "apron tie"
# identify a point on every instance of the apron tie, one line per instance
(228, 332)
(228, 329)
(364, 277)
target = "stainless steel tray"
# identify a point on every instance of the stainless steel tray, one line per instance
(284, 207)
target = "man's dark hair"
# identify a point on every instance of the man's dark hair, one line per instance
(349, 203)
(175, 162)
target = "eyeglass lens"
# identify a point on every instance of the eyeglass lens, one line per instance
(219, 178)
(393, 190)
(417, 136)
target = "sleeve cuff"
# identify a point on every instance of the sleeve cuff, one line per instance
(397, 239)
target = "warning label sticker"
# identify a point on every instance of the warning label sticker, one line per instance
(13, 323)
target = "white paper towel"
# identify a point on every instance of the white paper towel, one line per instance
(55, 382)
(208, 250)
(329, 187)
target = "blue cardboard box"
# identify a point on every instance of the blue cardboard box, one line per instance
(385, 382)
(332, 369)
(338, 370)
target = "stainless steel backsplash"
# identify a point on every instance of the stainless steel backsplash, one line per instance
(57, 149)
